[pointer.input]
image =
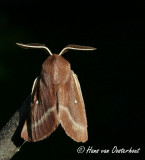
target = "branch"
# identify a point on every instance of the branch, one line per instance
(10, 135)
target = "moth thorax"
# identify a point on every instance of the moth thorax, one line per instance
(57, 68)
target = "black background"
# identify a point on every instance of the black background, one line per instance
(112, 77)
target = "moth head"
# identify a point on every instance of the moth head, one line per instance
(65, 49)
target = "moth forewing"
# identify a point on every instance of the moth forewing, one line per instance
(72, 110)
(42, 119)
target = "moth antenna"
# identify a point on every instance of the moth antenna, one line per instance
(76, 47)
(35, 45)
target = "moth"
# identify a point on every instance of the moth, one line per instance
(56, 99)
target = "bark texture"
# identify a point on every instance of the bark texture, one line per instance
(10, 135)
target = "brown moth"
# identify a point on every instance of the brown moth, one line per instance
(56, 98)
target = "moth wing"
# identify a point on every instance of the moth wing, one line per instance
(72, 109)
(42, 119)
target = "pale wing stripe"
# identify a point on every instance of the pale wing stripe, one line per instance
(71, 119)
(47, 113)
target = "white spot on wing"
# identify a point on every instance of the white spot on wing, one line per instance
(76, 101)
(37, 102)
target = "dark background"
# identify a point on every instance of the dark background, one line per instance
(112, 77)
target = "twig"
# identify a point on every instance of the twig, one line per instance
(10, 139)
